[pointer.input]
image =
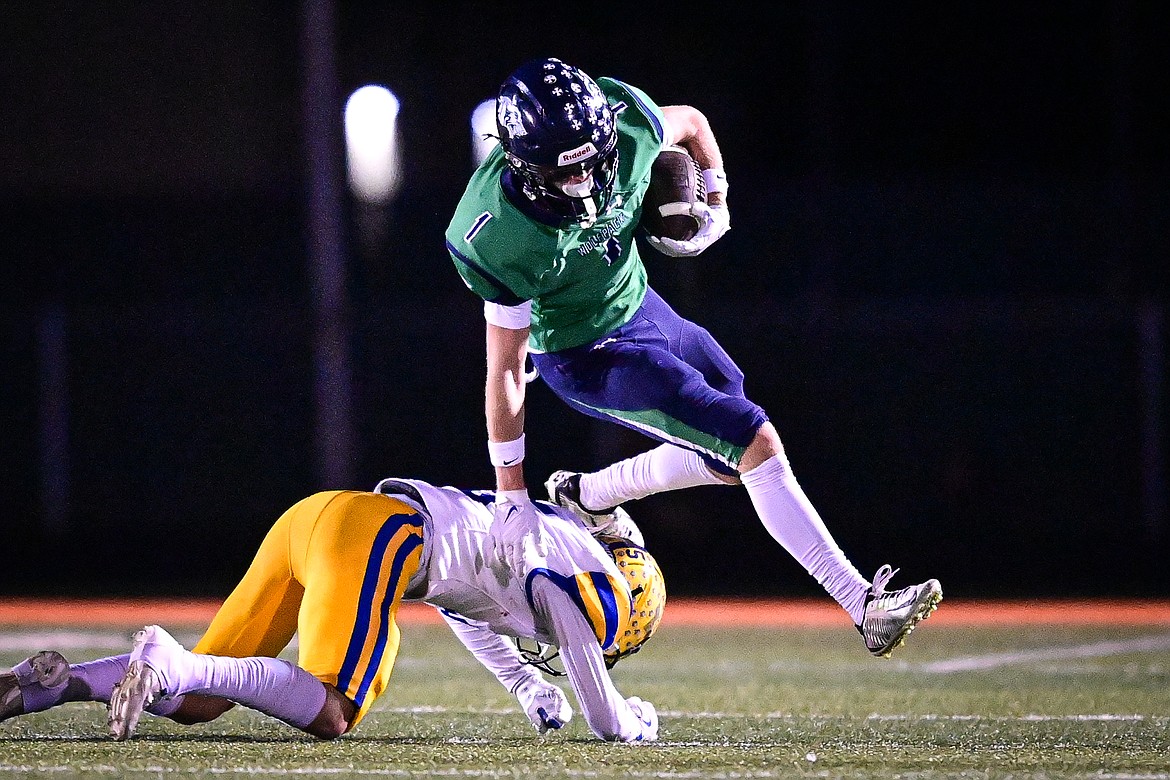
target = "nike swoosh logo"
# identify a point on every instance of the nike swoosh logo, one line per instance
(511, 462)
(603, 343)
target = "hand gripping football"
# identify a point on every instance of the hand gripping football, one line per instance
(675, 184)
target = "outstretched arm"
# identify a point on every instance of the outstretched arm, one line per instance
(515, 528)
(507, 351)
(494, 652)
(544, 703)
(609, 715)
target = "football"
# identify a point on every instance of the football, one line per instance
(675, 184)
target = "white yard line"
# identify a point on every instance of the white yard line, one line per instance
(1025, 718)
(972, 663)
(328, 771)
(510, 773)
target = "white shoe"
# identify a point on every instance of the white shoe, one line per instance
(890, 616)
(48, 668)
(564, 489)
(150, 677)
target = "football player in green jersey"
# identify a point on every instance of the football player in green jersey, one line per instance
(544, 233)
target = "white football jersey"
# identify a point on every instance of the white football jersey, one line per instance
(457, 576)
(575, 598)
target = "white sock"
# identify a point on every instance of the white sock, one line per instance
(95, 680)
(792, 521)
(666, 467)
(271, 685)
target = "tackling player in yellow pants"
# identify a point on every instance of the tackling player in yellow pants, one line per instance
(303, 580)
(334, 569)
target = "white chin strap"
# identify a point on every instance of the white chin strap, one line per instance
(590, 211)
(580, 190)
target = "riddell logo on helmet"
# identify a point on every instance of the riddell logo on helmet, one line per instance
(577, 155)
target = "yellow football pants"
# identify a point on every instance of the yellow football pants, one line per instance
(332, 569)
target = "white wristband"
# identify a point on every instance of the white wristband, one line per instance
(506, 453)
(714, 180)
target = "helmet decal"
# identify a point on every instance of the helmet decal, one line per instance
(647, 594)
(583, 152)
(508, 115)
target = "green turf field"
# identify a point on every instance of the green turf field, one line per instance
(1049, 703)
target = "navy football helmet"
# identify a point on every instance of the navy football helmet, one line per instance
(559, 137)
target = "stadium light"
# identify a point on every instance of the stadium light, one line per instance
(371, 143)
(483, 130)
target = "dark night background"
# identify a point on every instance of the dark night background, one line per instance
(946, 280)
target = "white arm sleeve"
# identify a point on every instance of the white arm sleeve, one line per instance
(606, 712)
(511, 317)
(494, 652)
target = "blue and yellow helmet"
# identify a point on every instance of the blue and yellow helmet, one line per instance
(648, 596)
(630, 630)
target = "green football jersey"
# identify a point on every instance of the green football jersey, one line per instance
(583, 282)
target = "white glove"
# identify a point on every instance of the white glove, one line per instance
(716, 220)
(545, 705)
(647, 715)
(520, 540)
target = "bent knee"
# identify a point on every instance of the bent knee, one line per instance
(765, 444)
(336, 717)
(330, 729)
